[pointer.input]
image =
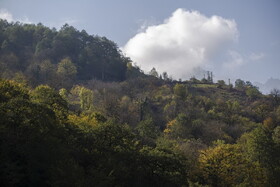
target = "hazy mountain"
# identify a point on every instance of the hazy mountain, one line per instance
(268, 85)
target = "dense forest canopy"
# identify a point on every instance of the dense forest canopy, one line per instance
(43, 54)
(76, 112)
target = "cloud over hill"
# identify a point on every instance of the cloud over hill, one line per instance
(185, 41)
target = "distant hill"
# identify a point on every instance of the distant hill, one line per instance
(269, 85)
(40, 55)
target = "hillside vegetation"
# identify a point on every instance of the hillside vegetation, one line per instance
(76, 112)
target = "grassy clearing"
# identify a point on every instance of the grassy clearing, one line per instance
(204, 85)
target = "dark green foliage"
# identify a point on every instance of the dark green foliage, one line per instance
(239, 84)
(180, 90)
(39, 147)
(264, 148)
(43, 142)
(26, 48)
(30, 147)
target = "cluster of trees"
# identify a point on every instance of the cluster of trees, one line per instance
(135, 133)
(43, 143)
(43, 55)
(78, 113)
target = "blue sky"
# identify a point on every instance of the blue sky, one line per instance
(246, 44)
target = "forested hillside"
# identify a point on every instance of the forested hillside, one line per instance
(75, 112)
(43, 55)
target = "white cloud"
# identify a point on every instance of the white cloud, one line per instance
(184, 41)
(144, 24)
(256, 56)
(235, 60)
(4, 14)
(25, 19)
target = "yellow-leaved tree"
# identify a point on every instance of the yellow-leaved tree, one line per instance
(226, 165)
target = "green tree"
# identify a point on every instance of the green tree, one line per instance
(86, 98)
(170, 110)
(252, 92)
(47, 96)
(153, 72)
(165, 76)
(180, 127)
(263, 149)
(31, 152)
(240, 84)
(275, 95)
(225, 165)
(147, 128)
(63, 93)
(180, 90)
(221, 83)
(67, 71)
